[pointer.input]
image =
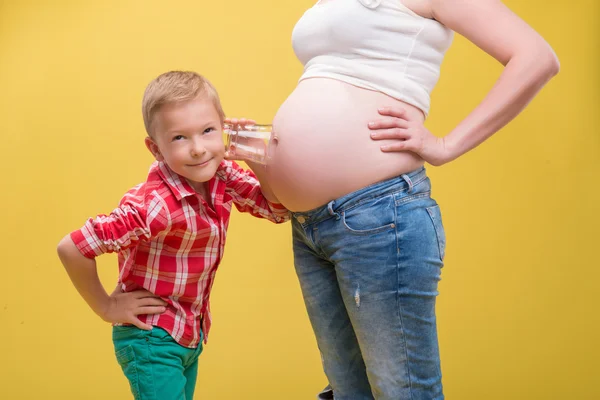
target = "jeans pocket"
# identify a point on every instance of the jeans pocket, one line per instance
(123, 333)
(436, 218)
(371, 217)
(126, 359)
(160, 335)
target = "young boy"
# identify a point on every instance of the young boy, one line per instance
(169, 233)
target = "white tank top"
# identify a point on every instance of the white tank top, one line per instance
(379, 45)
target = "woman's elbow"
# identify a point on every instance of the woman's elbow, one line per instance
(547, 61)
(552, 65)
(542, 64)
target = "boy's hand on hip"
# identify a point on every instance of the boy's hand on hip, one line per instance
(125, 307)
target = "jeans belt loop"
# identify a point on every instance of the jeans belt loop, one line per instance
(409, 181)
(331, 211)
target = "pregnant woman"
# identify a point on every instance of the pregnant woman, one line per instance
(368, 238)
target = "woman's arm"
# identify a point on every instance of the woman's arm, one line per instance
(529, 64)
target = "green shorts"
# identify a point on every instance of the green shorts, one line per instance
(157, 367)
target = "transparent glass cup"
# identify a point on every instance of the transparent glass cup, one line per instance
(248, 142)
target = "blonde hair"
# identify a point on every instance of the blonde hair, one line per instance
(174, 87)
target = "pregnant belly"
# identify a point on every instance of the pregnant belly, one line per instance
(324, 149)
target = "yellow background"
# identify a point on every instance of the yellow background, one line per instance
(518, 311)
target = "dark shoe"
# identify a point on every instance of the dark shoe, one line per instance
(326, 394)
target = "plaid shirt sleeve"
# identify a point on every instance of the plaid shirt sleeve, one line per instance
(244, 188)
(136, 219)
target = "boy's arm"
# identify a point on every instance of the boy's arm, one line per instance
(116, 308)
(259, 170)
(249, 196)
(126, 226)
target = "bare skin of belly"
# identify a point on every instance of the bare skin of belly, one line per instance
(324, 149)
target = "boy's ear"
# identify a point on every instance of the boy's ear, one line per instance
(153, 147)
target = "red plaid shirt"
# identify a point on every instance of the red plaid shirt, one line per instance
(170, 242)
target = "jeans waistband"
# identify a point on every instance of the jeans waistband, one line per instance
(398, 184)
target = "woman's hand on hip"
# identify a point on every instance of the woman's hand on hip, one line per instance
(409, 135)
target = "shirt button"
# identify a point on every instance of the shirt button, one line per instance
(301, 219)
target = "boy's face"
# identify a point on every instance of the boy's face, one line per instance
(188, 137)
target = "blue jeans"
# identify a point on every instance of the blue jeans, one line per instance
(369, 265)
